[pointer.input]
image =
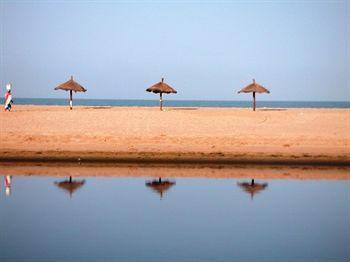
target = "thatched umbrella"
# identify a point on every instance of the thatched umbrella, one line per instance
(252, 187)
(71, 86)
(69, 185)
(254, 88)
(160, 186)
(161, 88)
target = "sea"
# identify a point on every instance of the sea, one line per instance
(182, 103)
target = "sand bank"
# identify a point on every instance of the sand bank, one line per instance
(133, 134)
(174, 171)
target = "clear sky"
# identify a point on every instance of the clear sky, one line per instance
(207, 51)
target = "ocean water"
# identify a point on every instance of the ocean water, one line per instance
(196, 219)
(181, 103)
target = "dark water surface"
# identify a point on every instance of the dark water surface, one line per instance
(196, 219)
(180, 103)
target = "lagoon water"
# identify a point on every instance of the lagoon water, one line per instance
(196, 219)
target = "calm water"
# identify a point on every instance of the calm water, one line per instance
(196, 219)
(181, 103)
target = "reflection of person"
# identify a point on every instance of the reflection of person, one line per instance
(7, 185)
(8, 98)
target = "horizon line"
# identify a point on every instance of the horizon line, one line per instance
(198, 100)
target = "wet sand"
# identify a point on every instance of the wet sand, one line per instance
(175, 171)
(176, 135)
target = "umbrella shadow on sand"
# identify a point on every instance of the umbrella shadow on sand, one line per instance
(252, 187)
(182, 108)
(160, 186)
(273, 109)
(70, 185)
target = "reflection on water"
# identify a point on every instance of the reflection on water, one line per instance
(252, 188)
(160, 186)
(70, 185)
(7, 183)
(202, 219)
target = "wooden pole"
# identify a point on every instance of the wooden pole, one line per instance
(71, 99)
(253, 101)
(161, 101)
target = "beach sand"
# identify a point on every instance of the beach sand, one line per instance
(175, 135)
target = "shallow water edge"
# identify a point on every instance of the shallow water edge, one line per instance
(175, 171)
(175, 158)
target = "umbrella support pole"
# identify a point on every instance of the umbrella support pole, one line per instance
(71, 99)
(161, 101)
(254, 103)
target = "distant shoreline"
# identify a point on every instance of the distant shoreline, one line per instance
(179, 103)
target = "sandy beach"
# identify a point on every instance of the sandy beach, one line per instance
(176, 134)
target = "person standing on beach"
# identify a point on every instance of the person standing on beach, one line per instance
(8, 98)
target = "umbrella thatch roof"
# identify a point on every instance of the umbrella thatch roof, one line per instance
(161, 87)
(254, 87)
(69, 185)
(71, 85)
(252, 188)
(160, 186)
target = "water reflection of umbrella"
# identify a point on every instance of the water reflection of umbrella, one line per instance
(71, 86)
(254, 88)
(160, 88)
(252, 187)
(70, 185)
(160, 186)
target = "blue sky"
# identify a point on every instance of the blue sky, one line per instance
(207, 51)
